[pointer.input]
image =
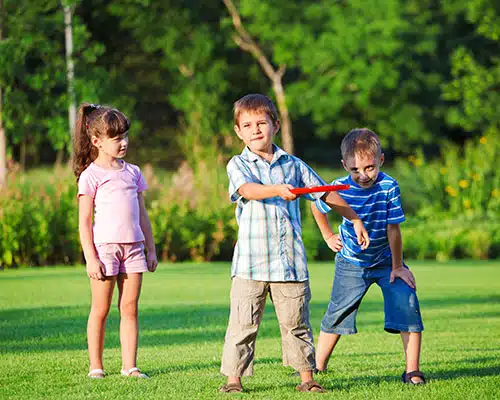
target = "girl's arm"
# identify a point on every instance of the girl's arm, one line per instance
(95, 268)
(148, 235)
(396, 245)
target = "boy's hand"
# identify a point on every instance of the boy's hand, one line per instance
(361, 233)
(152, 261)
(405, 274)
(283, 191)
(96, 269)
(334, 242)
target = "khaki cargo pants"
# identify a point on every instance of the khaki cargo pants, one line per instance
(291, 302)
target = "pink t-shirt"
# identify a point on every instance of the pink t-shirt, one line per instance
(116, 203)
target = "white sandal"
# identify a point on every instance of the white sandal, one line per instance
(96, 374)
(141, 375)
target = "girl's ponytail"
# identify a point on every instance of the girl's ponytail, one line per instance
(94, 120)
(83, 150)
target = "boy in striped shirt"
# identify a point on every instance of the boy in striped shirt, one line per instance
(375, 197)
(269, 256)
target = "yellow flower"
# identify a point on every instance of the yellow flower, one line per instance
(467, 203)
(476, 177)
(463, 184)
(451, 191)
(482, 140)
(443, 171)
(495, 193)
(418, 162)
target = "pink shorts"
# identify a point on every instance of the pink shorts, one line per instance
(122, 257)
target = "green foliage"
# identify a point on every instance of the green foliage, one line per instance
(354, 63)
(475, 67)
(464, 183)
(39, 222)
(447, 239)
(455, 201)
(33, 73)
(39, 218)
(416, 71)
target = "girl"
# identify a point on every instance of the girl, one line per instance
(114, 245)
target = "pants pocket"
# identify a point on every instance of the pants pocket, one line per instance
(293, 303)
(247, 315)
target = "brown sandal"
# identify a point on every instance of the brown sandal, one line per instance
(231, 388)
(310, 386)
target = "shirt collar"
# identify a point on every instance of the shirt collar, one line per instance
(251, 156)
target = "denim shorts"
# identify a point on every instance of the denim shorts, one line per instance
(350, 284)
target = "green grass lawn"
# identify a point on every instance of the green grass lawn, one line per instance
(183, 316)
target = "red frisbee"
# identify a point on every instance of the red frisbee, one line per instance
(315, 189)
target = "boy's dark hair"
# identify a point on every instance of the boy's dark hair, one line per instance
(94, 120)
(361, 141)
(255, 103)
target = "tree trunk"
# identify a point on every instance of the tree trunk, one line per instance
(3, 146)
(3, 139)
(70, 74)
(22, 155)
(286, 123)
(246, 43)
(59, 157)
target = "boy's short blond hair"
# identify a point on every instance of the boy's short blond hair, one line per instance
(361, 141)
(255, 103)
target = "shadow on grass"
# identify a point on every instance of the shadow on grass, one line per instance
(64, 328)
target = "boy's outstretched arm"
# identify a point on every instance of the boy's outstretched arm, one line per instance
(396, 245)
(257, 191)
(337, 203)
(332, 239)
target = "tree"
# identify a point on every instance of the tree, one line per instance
(191, 70)
(33, 75)
(243, 39)
(68, 35)
(3, 139)
(473, 92)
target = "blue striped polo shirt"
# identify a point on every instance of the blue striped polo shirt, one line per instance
(269, 246)
(377, 206)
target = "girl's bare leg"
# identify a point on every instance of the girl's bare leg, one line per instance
(129, 286)
(102, 293)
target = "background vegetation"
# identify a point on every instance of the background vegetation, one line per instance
(423, 74)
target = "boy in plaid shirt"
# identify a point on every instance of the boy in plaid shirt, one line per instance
(269, 256)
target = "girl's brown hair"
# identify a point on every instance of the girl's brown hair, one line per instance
(94, 120)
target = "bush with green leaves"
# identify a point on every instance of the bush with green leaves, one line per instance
(39, 221)
(452, 207)
(455, 201)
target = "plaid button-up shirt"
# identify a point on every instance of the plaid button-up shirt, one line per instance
(269, 246)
